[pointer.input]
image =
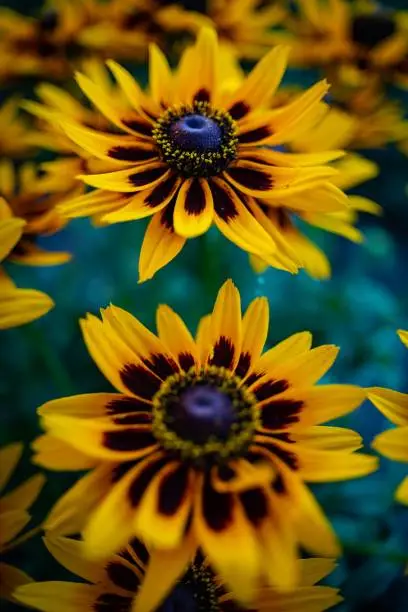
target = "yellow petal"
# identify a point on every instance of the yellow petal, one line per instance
(10, 232)
(226, 327)
(175, 335)
(393, 404)
(11, 578)
(401, 494)
(393, 443)
(164, 570)
(70, 596)
(9, 457)
(24, 495)
(160, 245)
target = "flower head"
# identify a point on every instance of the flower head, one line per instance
(33, 199)
(393, 443)
(192, 154)
(113, 585)
(208, 443)
(45, 45)
(124, 28)
(17, 306)
(14, 516)
(358, 44)
(15, 134)
(247, 28)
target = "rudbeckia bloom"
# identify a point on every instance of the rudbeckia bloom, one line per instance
(14, 516)
(356, 42)
(14, 133)
(374, 121)
(29, 199)
(17, 306)
(192, 155)
(125, 28)
(393, 443)
(246, 27)
(207, 444)
(46, 45)
(112, 586)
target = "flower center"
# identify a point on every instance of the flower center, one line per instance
(369, 30)
(205, 416)
(204, 410)
(196, 592)
(196, 140)
(196, 132)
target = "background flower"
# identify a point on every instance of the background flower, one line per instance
(114, 584)
(359, 310)
(14, 516)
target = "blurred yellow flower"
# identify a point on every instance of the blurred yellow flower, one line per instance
(17, 306)
(14, 516)
(393, 443)
(112, 585)
(356, 41)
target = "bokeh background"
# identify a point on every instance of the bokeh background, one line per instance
(360, 309)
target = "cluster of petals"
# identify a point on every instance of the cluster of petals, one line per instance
(140, 183)
(256, 499)
(14, 516)
(113, 584)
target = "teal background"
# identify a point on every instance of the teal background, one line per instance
(360, 309)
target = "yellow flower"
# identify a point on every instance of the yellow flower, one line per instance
(373, 120)
(14, 133)
(30, 198)
(246, 27)
(47, 45)
(358, 42)
(193, 155)
(208, 444)
(14, 516)
(393, 443)
(17, 306)
(125, 28)
(112, 585)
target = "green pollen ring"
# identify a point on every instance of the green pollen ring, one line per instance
(187, 160)
(213, 450)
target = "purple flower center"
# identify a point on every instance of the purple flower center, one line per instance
(196, 133)
(201, 412)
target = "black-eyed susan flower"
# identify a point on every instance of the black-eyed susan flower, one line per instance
(370, 120)
(358, 42)
(192, 155)
(45, 45)
(393, 443)
(17, 306)
(112, 586)
(14, 516)
(246, 28)
(30, 199)
(208, 444)
(15, 134)
(125, 28)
